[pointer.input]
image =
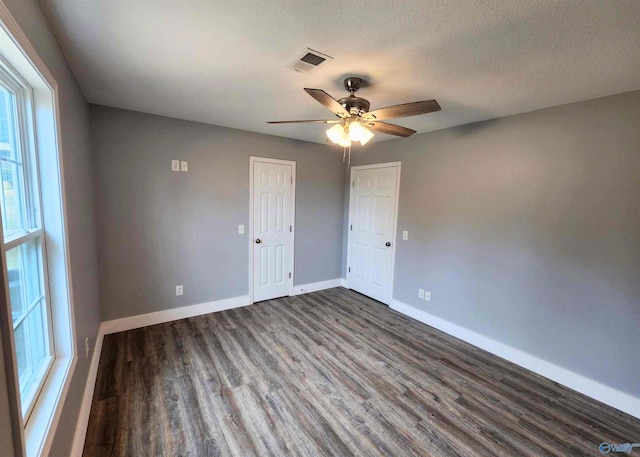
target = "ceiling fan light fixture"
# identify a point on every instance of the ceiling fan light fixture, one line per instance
(358, 132)
(345, 141)
(364, 139)
(355, 131)
(335, 133)
(339, 135)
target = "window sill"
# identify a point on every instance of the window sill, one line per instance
(42, 423)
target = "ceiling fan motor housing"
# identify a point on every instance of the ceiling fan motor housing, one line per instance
(355, 105)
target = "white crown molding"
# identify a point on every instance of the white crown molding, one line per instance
(594, 389)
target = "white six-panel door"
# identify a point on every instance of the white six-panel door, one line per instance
(272, 242)
(372, 226)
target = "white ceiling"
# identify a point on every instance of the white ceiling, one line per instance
(222, 62)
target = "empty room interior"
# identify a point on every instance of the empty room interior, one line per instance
(319, 228)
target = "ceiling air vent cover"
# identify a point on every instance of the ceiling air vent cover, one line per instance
(309, 60)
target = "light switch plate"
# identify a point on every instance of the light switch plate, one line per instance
(427, 295)
(175, 165)
(405, 235)
(240, 229)
(184, 165)
(421, 293)
(179, 291)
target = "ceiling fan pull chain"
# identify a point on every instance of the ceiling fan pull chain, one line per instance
(344, 154)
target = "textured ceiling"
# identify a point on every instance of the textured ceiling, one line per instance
(222, 62)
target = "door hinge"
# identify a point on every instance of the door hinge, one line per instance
(349, 269)
(353, 184)
(289, 275)
(351, 227)
(291, 228)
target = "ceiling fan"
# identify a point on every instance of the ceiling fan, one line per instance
(355, 121)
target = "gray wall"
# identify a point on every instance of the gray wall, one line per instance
(158, 228)
(74, 123)
(526, 229)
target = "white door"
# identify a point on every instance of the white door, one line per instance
(372, 226)
(272, 242)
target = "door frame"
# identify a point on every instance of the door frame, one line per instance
(398, 165)
(252, 160)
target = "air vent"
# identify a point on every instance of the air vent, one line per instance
(309, 60)
(313, 59)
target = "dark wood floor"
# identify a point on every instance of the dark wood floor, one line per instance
(329, 373)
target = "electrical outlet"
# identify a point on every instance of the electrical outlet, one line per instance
(175, 165)
(405, 235)
(86, 346)
(421, 293)
(179, 291)
(427, 295)
(184, 166)
(240, 229)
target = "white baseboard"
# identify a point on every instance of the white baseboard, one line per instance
(316, 286)
(87, 398)
(594, 389)
(168, 315)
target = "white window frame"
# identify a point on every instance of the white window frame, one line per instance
(25, 131)
(33, 437)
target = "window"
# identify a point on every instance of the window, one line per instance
(36, 319)
(23, 243)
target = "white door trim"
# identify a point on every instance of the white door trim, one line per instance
(252, 160)
(395, 221)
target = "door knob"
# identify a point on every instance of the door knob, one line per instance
(388, 243)
(258, 241)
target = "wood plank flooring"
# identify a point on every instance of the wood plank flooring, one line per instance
(330, 373)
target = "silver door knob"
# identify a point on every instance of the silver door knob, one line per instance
(388, 243)
(258, 241)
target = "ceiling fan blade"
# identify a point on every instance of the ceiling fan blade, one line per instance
(404, 110)
(390, 129)
(328, 121)
(328, 101)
